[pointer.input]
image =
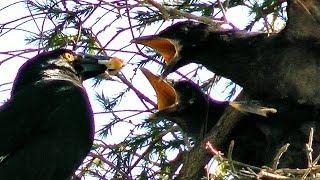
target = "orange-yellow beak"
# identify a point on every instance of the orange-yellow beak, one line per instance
(114, 66)
(165, 47)
(169, 49)
(166, 95)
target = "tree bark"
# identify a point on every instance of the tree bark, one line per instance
(196, 159)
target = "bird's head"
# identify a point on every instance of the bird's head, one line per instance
(176, 99)
(177, 44)
(64, 64)
(183, 103)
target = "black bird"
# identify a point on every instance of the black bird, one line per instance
(47, 125)
(268, 67)
(257, 138)
(184, 97)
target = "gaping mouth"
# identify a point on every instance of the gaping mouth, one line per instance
(251, 107)
(168, 100)
(167, 48)
(166, 94)
(164, 46)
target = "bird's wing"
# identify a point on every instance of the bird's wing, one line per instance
(18, 117)
(66, 135)
(303, 19)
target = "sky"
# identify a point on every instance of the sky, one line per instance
(15, 41)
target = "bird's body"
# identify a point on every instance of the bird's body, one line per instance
(280, 70)
(47, 125)
(267, 67)
(47, 131)
(257, 138)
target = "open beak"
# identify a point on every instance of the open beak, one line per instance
(169, 49)
(250, 107)
(166, 95)
(89, 66)
(168, 103)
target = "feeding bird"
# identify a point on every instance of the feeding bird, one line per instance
(47, 125)
(268, 67)
(257, 138)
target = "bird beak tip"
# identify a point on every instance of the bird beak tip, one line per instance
(93, 65)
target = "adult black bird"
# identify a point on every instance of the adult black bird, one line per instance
(280, 66)
(47, 125)
(257, 138)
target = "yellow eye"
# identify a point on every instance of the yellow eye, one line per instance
(68, 56)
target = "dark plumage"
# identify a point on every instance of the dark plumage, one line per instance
(193, 110)
(267, 67)
(47, 125)
(257, 138)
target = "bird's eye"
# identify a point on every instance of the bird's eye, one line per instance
(68, 56)
(191, 101)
